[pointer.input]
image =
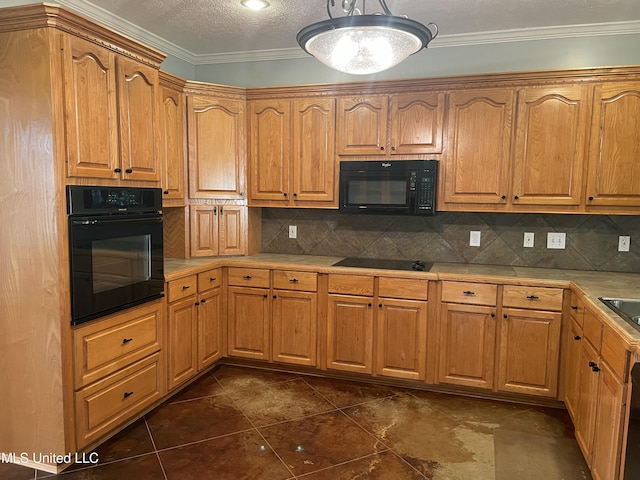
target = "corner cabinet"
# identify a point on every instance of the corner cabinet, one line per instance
(292, 153)
(218, 230)
(111, 114)
(216, 147)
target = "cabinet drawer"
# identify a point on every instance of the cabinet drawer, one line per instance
(351, 284)
(469, 293)
(106, 346)
(209, 279)
(249, 277)
(576, 308)
(110, 402)
(537, 298)
(182, 288)
(592, 329)
(292, 280)
(614, 352)
(410, 289)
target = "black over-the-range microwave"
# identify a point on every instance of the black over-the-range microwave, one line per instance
(401, 187)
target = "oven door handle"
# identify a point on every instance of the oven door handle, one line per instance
(133, 218)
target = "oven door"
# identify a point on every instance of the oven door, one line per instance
(116, 263)
(368, 191)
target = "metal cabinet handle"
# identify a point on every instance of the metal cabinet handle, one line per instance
(166, 192)
(577, 337)
(574, 307)
(117, 170)
(212, 279)
(493, 315)
(592, 364)
(595, 368)
(197, 304)
(129, 170)
(247, 277)
(126, 340)
(505, 315)
(368, 304)
(533, 297)
(186, 287)
(127, 394)
(468, 293)
(204, 300)
(293, 280)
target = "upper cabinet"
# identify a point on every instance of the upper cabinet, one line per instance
(216, 139)
(614, 169)
(292, 153)
(386, 125)
(503, 144)
(111, 114)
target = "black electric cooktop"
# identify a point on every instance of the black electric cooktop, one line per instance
(415, 265)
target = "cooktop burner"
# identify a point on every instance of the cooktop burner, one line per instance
(384, 264)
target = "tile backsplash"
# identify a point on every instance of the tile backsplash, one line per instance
(591, 240)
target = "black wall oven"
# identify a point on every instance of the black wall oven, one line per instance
(116, 249)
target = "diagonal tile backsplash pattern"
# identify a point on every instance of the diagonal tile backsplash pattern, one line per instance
(591, 242)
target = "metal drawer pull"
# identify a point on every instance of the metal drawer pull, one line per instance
(577, 337)
(127, 394)
(293, 280)
(185, 287)
(574, 307)
(592, 364)
(126, 340)
(212, 279)
(468, 293)
(533, 297)
(247, 277)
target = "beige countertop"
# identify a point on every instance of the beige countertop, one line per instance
(593, 284)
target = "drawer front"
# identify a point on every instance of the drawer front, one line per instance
(537, 298)
(182, 288)
(292, 280)
(104, 347)
(615, 352)
(592, 329)
(249, 277)
(351, 284)
(209, 279)
(577, 308)
(469, 293)
(410, 289)
(114, 400)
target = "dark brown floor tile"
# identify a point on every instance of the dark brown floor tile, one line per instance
(131, 442)
(320, 441)
(146, 467)
(175, 424)
(344, 394)
(433, 443)
(11, 471)
(233, 457)
(381, 466)
(206, 386)
(233, 378)
(279, 402)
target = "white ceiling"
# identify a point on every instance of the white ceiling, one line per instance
(213, 31)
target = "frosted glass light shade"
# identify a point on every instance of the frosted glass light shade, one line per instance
(364, 44)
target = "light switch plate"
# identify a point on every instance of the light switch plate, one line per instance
(474, 238)
(623, 243)
(528, 239)
(293, 231)
(556, 240)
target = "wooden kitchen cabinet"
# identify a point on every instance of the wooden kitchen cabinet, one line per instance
(350, 333)
(211, 318)
(397, 124)
(182, 345)
(173, 140)
(216, 147)
(292, 160)
(218, 230)
(111, 114)
(614, 171)
(573, 346)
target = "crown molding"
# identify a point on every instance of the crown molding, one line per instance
(128, 28)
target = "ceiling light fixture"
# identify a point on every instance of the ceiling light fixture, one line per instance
(255, 4)
(361, 44)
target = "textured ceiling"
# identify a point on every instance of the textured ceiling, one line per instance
(204, 27)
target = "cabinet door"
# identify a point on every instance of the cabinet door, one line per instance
(614, 170)
(551, 133)
(350, 333)
(362, 125)
(587, 402)
(295, 321)
(467, 345)
(476, 165)
(172, 144)
(609, 425)
(529, 351)
(248, 327)
(401, 338)
(209, 327)
(572, 369)
(89, 80)
(416, 123)
(270, 150)
(204, 230)
(314, 161)
(183, 343)
(138, 100)
(232, 227)
(216, 133)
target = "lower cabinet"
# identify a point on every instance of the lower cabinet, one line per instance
(195, 321)
(573, 346)
(249, 312)
(118, 369)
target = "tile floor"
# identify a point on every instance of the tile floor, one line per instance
(240, 423)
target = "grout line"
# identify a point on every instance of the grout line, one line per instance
(155, 449)
(301, 477)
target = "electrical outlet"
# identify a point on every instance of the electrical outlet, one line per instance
(293, 231)
(474, 238)
(623, 243)
(556, 240)
(528, 239)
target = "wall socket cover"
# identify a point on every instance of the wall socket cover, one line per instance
(556, 240)
(474, 238)
(293, 231)
(623, 243)
(528, 239)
